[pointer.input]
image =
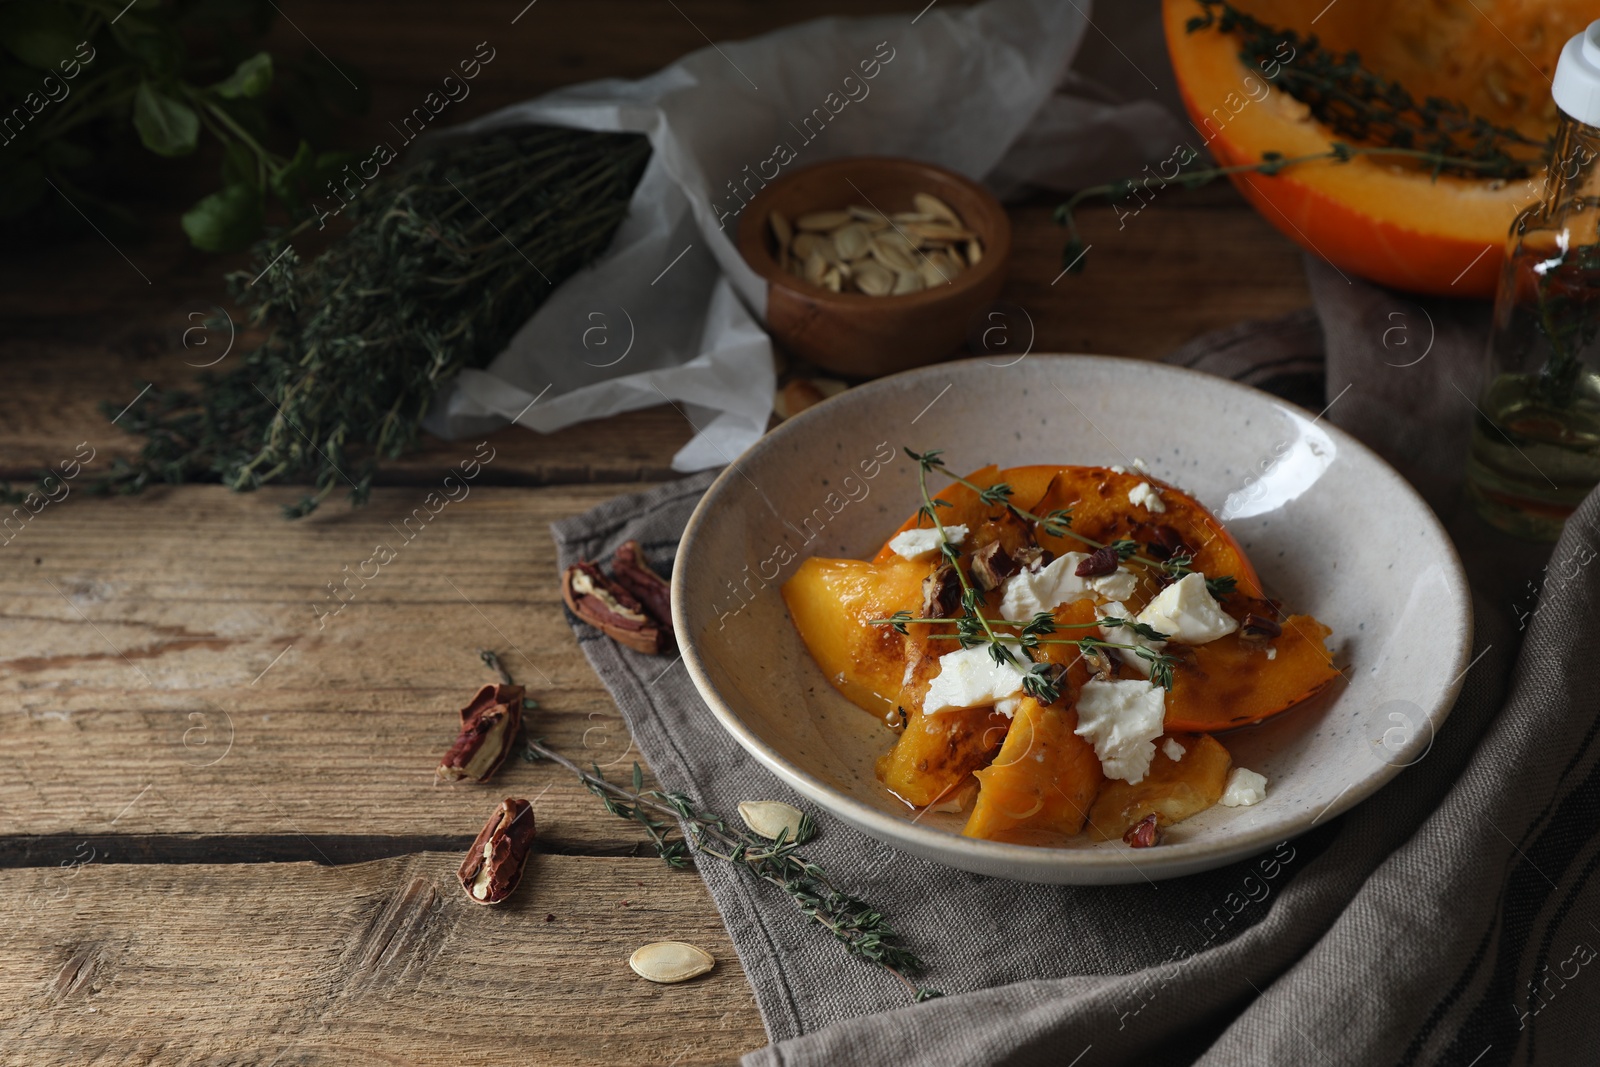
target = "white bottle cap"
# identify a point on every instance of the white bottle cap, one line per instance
(1577, 83)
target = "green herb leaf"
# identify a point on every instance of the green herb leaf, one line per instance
(166, 125)
(249, 79)
(1221, 587)
(41, 35)
(225, 221)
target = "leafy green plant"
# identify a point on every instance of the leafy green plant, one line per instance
(92, 84)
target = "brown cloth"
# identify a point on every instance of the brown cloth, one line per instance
(1449, 919)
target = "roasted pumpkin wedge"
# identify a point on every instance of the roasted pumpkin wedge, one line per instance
(936, 754)
(831, 601)
(1230, 681)
(1043, 780)
(1172, 791)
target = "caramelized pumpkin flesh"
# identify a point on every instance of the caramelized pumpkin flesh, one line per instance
(1037, 781)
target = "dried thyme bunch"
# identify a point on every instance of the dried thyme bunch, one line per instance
(441, 264)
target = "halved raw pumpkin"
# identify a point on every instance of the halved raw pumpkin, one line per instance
(1382, 219)
(1172, 791)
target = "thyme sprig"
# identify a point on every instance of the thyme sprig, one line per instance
(1057, 523)
(860, 928)
(1271, 164)
(1031, 635)
(1361, 104)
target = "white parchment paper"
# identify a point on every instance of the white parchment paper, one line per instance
(671, 313)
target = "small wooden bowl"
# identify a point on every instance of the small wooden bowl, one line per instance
(860, 336)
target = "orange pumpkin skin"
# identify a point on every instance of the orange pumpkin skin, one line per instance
(1382, 219)
(1171, 791)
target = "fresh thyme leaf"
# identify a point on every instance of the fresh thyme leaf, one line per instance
(898, 620)
(1042, 623)
(1057, 523)
(1221, 587)
(1124, 548)
(998, 493)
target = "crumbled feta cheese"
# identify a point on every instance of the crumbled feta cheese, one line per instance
(1124, 635)
(1033, 591)
(1008, 706)
(1147, 497)
(970, 678)
(921, 540)
(1187, 613)
(1173, 750)
(1272, 653)
(1119, 470)
(1244, 788)
(1122, 721)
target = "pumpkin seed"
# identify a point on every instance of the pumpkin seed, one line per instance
(894, 252)
(816, 265)
(769, 818)
(781, 230)
(908, 281)
(929, 204)
(874, 279)
(851, 241)
(668, 962)
(823, 220)
(860, 249)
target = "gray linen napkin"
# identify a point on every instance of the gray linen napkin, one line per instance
(1447, 917)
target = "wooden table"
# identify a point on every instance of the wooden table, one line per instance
(220, 837)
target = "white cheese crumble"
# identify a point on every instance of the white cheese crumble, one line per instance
(1122, 721)
(1244, 788)
(1008, 707)
(921, 540)
(1033, 591)
(1143, 494)
(1272, 653)
(1173, 750)
(1187, 613)
(1124, 635)
(970, 678)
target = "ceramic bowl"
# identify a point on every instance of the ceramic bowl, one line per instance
(1332, 529)
(856, 335)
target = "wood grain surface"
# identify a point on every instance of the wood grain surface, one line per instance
(220, 841)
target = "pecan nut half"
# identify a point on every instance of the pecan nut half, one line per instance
(489, 725)
(494, 863)
(992, 565)
(653, 592)
(1146, 833)
(1100, 562)
(941, 592)
(609, 608)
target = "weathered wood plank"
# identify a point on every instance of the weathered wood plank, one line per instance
(165, 672)
(62, 359)
(378, 962)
